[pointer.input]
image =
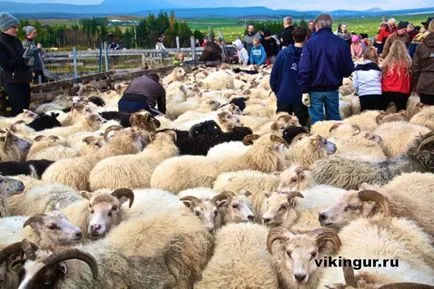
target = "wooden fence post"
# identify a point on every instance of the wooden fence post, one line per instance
(193, 49)
(100, 57)
(177, 43)
(106, 57)
(74, 56)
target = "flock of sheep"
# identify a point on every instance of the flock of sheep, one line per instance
(221, 193)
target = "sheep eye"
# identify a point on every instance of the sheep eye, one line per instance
(351, 208)
(289, 254)
(215, 213)
(197, 213)
(110, 214)
(52, 226)
(282, 208)
(313, 254)
(293, 180)
(92, 211)
(235, 206)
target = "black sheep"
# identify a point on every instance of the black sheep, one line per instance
(122, 117)
(240, 102)
(209, 127)
(201, 144)
(290, 133)
(31, 168)
(45, 121)
(98, 101)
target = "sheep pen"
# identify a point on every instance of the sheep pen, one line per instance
(220, 192)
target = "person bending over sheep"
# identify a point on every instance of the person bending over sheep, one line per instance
(144, 92)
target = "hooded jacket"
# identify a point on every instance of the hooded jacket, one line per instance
(14, 67)
(243, 55)
(423, 66)
(325, 61)
(283, 78)
(392, 38)
(367, 78)
(258, 55)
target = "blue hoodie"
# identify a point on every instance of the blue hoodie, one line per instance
(325, 61)
(258, 55)
(283, 79)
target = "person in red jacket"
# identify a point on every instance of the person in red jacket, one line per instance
(381, 37)
(396, 83)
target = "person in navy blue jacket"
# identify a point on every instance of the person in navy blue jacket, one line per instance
(283, 79)
(324, 62)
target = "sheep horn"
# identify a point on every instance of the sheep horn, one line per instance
(276, 138)
(358, 129)
(190, 201)
(123, 192)
(406, 285)
(224, 196)
(350, 279)
(278, 233)
(374, 196)
(335, 126)
(380, 117)
(391, 108)
(13, 249)
(324, 235)
(426, 140)
(299, 137)
(61, 256)
(36, 218)
(29, 250)
(249, 139)
(111, 128)
(299, 171)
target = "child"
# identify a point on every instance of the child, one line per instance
(242, 54)
(257, 54)
(356, 47)
(396, 81)
(367, 81)
(381, 37)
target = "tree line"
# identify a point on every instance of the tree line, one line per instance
(89, 33)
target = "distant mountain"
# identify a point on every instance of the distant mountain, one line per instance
(143, 7)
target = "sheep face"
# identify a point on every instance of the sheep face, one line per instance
(54, 228)
(294, 256)
(296, 178)
(228, 121)
(143, 120)
(236, 208)
(232, 109)
(95, 121)
(384, 117)
(306, 149)
(10, 186)
(284, 121)
(209, 127)
(27, 115)
(16, 147)
(280, 209)
(205, 210)
(353, 205)
(105, 211)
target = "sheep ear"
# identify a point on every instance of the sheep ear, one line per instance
(292, 196)
(274, 126)
(86, 195)
(38, 138)
(249, 139)
(190, 202)
(223, 199)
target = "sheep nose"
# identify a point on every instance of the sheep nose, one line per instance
(299, 277)
(95, 228)
(78, 235)
(322, 217)
(251, 218)
(210, 230)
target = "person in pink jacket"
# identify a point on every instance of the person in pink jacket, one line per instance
(356, 47)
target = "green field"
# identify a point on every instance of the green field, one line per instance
(232, 28)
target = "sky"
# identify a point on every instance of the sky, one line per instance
(280, 4)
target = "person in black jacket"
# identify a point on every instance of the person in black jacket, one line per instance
(212, 54)
(15, 69)
(270, 46)
(286, 35)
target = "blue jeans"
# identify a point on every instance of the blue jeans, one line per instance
(327, 99)
(130, 106)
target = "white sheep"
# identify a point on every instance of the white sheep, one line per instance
(425, 117)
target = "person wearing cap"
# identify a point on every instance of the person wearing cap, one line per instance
(257, 53)
(420, 36)
(423, 67)
(325, 61)
(270, 46)
(36, 57)
(15, 72)
(400, 34)
(286, 35)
